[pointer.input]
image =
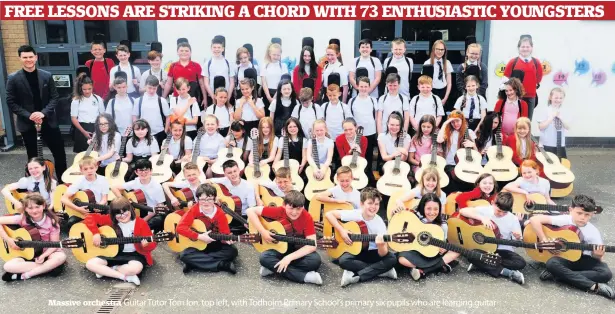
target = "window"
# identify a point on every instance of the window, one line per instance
(53, 59)
(378, 30)
(117, 30)
(452, 30)
(51, 32)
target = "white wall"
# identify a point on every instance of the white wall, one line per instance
(561, 43)
(257, 33)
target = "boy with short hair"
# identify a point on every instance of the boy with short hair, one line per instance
(425, 103)
(377, 260)
(298, 264)
(217, 68)
(154, 194)
(154, 58)
(343, 192)
(334, 112)
(100, 68)
(132, 72)
(282, 185)
(308, 112)
(369, 63)
(403, 64)
(392, 101)
(187, 69)
(218, 255)
(154, 109)
(91, 181)
(191, 173)
(500, 213)
(589, 273)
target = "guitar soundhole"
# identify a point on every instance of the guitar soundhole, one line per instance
(229, 155)
(396, 171)
(423, 238)
(257, 174)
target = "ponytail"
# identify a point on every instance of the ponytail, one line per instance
(81, 80)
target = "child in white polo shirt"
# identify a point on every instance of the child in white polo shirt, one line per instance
(216, 68)
(403, 64)
(153, 109)
(133, 73)
(425, 103)
(390, 102)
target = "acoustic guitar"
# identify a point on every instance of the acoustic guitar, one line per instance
(433, 160)
(200, 162)
(395, 176)
(565, 162)
(185, 196)
(85, 198)
(500, 163)
(315, 186)
(229, 153)
(559, 176)
(179, 242)
(430, 239)
(232, 202)
(29, 241)
(110, 242)
(161, 163)
(318, 209)
(281, 231)
(461, 231)
(452, 207)
(115, 171)
(357, 164)
(568, 240)
(530, 248)
(73, 173)
(360, 237)
(10, 207)
(469, 163)
(269, 198)
(232, 214)
(291, 164)
(392, 204)
(139, 202)
(39, 151)
(256, 172)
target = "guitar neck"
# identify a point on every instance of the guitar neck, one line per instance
(142, 207)
(285, 153)
(498, 141)
(454, 248)
(126, 240)
(92, 206)
(549, 208)
(118, 162)
(542, 151)
(559, 143)
(315, 153)
(434, 148)
(514, 243)
(369, 237)
(256, 156)
(224, 237)
(197, 146)
(233, 214)
(294, 240)
(39, 144)
(38, 244)
(588, 247)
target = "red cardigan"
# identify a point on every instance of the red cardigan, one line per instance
(93, 221)
(343, 148)
(511, 141)
(298, 83)
(532, 75)
(522, 112)
(463, 198)
(217, 224)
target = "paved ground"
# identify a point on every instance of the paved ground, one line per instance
(165, 288)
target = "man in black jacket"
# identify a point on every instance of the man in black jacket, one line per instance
(31, 94)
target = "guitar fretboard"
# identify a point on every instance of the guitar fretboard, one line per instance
(434, 148)
(142, 207)
(548, 208)
(224, 237)
(116, 168)
(294, 240)
(163, 153)
(466, 136)
(233, 214)
(454, 248)
(514, 243)
(368, 237)
(315, 152)
(256, 158)
(197, 146)
(558, 126)
(355, 153)
(285, 153)
(125, 240)
(38, 244)
(587, 247)
(498, 141)
(92, 206)
(542, 151)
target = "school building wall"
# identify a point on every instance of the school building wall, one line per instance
(14, 34)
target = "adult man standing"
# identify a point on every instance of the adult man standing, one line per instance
(31, 94)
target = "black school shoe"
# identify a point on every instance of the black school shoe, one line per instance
(228, 267)
(8, 277)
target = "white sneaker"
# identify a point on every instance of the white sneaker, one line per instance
(313, 277)
(265, 272)
(470, 267)
(134, 279)
(415, 273)
(348, 278)
(389, 274)
(99, 276)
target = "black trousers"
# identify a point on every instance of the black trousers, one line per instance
(510, 260)
(249, 125)
(454, 184)
(582, 274)
(531, 104)
(210, 258)
(297, 269)
(156, 223)
(473, 124)
(81, 142)
(53, 139)
(192, 134)
(372, 143)
(160, 137)
(553, 149)
(223, 131)
(266, 101)
(71, 222)
(368, 264)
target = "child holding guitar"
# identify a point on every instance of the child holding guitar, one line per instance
(486, 134)
(218, 255)
(429, 183)
(191, 173)
(37, 215)
(421, 143)
(39, 180)
(590, 273)
(222, 109)
(510, 106)
(107, 141)
(298, 264)
(282, 185)
(325, 150)
(297, 145)
(388, 141)
(471, 104)
(92, 181)
(486, 189)
(499, 216)
(452, 134)
(249, 107)
(141, 146)
(154, 194)
(530, 182)
(521, 141)
(377, 260)
(554, 120)
(211, 143)
(130, 261)
(237, 137)
(185, 106)
(267, 143)
(180, 145)
(429, 211)
(343, 192)
(84, 109)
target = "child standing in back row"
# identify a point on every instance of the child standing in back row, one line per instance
(552, 122)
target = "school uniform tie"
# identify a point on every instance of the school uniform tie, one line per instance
(440, 73)
(36, 189)
(472, 107)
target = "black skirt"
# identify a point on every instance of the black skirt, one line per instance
(123, 258)
(81, 142)
(420, 261)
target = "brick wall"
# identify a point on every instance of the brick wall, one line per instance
(14, 34)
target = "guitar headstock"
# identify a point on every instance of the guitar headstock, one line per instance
(254, 134)
(557, 122)
(72, 243)
(598, 209)
(250, 238)
(327, 243)
(128, 131)
(161, 209)
(318, 226)
(403, 237)
(284, 132)
(163, 236)
(360, 131)
(490, 259)
(402, 137)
